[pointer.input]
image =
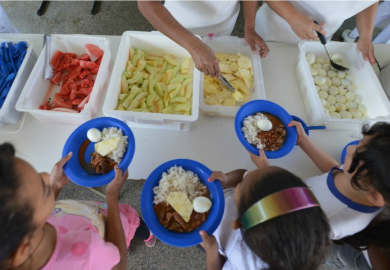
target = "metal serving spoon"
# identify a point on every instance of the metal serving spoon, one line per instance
(323, 41)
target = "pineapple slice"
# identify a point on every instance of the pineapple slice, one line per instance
(105, 147)
(182, 205)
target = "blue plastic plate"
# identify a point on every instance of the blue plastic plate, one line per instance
(73, 168)
(266, 106)
(213, 219)
(344, 152)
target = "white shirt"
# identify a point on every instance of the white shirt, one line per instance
(345, 216)
(205, 17)
(271, 27)
(232, 246)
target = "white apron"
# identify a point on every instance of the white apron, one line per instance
(271, 27)
(204, 17)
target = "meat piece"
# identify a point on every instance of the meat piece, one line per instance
(101, 164)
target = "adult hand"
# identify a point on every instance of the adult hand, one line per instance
(205, 60)
(253, 39)
(209, 244)
(58, 178)
(115, 185)
(261, 160)
(302, 136)
(365, 46)
(304, 26)
(219, 176)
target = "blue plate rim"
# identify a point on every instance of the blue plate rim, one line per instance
(157, 228)
(270, 154)
(108, 177)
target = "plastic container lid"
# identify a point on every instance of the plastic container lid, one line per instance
(213, 219)
(265, 106)
(73, 167)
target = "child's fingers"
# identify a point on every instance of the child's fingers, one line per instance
(63, 160)
(205, 237)
(262, 154)
(214, 176)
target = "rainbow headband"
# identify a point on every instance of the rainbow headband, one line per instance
(278, 204)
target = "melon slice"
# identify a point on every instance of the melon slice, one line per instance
(182, 205)
(107, 146)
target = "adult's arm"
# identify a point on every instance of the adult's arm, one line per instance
(302, 24)
(251, 37)
(161, 19)
(365, 25)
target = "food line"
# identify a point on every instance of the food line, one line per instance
(212, 134)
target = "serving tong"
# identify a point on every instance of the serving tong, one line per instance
(49, 72)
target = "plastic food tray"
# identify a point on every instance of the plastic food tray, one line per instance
(8, 113)
(36, 88)
(374, 97)
(153, 43)
(233, 45)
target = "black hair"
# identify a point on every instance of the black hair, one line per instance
(297, 240)
(16, 216)
(371, 161)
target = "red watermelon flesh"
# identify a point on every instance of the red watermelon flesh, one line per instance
(93, 51)
(77, 74)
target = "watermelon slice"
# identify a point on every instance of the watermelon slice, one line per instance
(55, 60)
(78, 76)
(93, 51)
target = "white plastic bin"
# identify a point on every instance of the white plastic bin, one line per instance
(374, 97)
(8, 113)
(228, 44)
(36, 89)
(153, 43)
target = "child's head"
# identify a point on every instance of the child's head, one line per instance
(367, 165)
(297, 240)
(26, 201)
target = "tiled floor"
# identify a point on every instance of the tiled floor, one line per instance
(113, 18)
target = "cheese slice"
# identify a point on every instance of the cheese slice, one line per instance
(106, 146)
(182, 205)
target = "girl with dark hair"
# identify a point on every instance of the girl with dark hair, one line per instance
(351, 194)
(38, 233)
(271, 221)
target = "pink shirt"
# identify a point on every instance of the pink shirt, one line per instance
(80, 227)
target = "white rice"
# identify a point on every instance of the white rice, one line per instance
(113, 132)
(250, 129)
(179, 180)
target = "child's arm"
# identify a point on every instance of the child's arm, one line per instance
(214, 260)
(115, 234)
(228, 180)
(379, 258)
(58, 179)
(322, 160)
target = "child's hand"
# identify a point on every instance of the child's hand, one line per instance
(58, 178)
(209, 244)
(115, 186)
(302, 136)
(219, 176)
(261, 160)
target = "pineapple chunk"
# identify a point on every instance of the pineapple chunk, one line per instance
(105, 147)
(182, 205)
(238, 96)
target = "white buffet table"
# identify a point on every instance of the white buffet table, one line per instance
(212, 140)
